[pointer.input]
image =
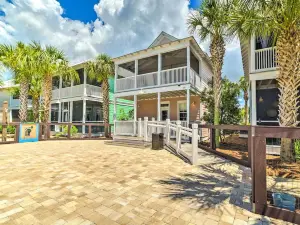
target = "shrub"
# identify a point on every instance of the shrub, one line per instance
(64, 132)
(10, 129)
(297, 149)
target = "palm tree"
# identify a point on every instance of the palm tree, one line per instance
(281, 21)
(52, 62)
(35, 91)
(101, 69)
(20, 59)
(244, 86)
(211, 22)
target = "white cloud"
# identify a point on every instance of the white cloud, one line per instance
(128, 25)
(123, 26)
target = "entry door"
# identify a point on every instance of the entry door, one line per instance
(165, 111)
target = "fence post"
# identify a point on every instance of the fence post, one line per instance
(194, 143)
(178, 135)
(115, 127)
(69, 131)
(145, 129)
(250, 144)
(168, 131)
(140, 127)
(259, 175)
(90, 130)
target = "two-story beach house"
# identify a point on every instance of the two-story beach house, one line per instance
(163, 81)
(72, 102)
(259, 61)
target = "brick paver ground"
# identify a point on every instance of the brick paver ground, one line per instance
(87, 182)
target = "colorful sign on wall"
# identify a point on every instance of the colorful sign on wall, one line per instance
(29, 132)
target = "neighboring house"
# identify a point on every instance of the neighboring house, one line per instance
(76, 102)
(163, 81)
(259, 61)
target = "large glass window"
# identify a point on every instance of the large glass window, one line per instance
(81, 77)
(54, 112)
(182, 111)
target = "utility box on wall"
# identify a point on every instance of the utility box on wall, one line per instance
(29, 132)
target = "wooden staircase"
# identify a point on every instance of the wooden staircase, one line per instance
(129, 141)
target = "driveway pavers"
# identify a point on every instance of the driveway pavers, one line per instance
(88, 182)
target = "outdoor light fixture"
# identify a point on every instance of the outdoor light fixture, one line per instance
(193, 103)
(261, 100)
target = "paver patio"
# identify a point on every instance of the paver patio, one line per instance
(87, 182)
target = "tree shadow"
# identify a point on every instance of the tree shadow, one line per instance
(212, 186)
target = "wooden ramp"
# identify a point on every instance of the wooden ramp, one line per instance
(129, 141)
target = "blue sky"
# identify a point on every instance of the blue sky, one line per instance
(85, 28)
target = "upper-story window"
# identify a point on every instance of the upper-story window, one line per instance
(55, 83)
(264, 42)
(81, 77)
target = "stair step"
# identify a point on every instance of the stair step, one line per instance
(126, 144)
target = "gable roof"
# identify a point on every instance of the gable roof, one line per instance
(163, 38)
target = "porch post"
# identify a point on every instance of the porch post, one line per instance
(59, 116)
(158, 107)
(136, 72)
(60, 86)
(83, 115)
(84, 82)
(188, 105)
(115, 115)
(145, 129)
(188, 63)
(71, 112)
(159, 69)
(116, 77)
(253, 103)
(135, 115)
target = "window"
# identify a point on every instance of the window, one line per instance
(182, 111)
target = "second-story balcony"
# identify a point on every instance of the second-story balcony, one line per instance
(265, 59)
(77, 91)
(167, 77)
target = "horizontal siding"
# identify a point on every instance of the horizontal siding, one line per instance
(206, 74)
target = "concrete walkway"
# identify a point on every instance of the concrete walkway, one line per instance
(87, 182)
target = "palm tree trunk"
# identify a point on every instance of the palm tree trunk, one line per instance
(47, 97)
(24, 88)
(105, 89)
(288, 59)
(217, 51)
(35, 108)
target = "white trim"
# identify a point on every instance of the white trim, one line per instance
(158, 107)
(253, 103)
(266, 75)
(173, 87)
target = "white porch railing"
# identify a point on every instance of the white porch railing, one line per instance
(265, 59)
(126, 83)
(93, 91)
(189, 151)
(77, 91)
(174, 76)
(195, 79)
(125, 127)
(147, 80)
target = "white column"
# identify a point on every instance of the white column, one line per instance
(159, 69)
(60, 86)
(158, 106)
(10, 115)
(136, 72)
(188, 63)
(140, 127)
(83, 115)
(59, 116)
(178, 135)
(145, 129)
(115, 116)
(253, 103)
(116, 77)
(135, 114)
(71, 111)
(188, 105)
(200, 73)
(168, 131)
(84, 82)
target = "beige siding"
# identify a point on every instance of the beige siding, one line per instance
(206, 74)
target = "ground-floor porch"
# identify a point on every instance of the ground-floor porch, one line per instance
(91, 183)
(178, 105)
